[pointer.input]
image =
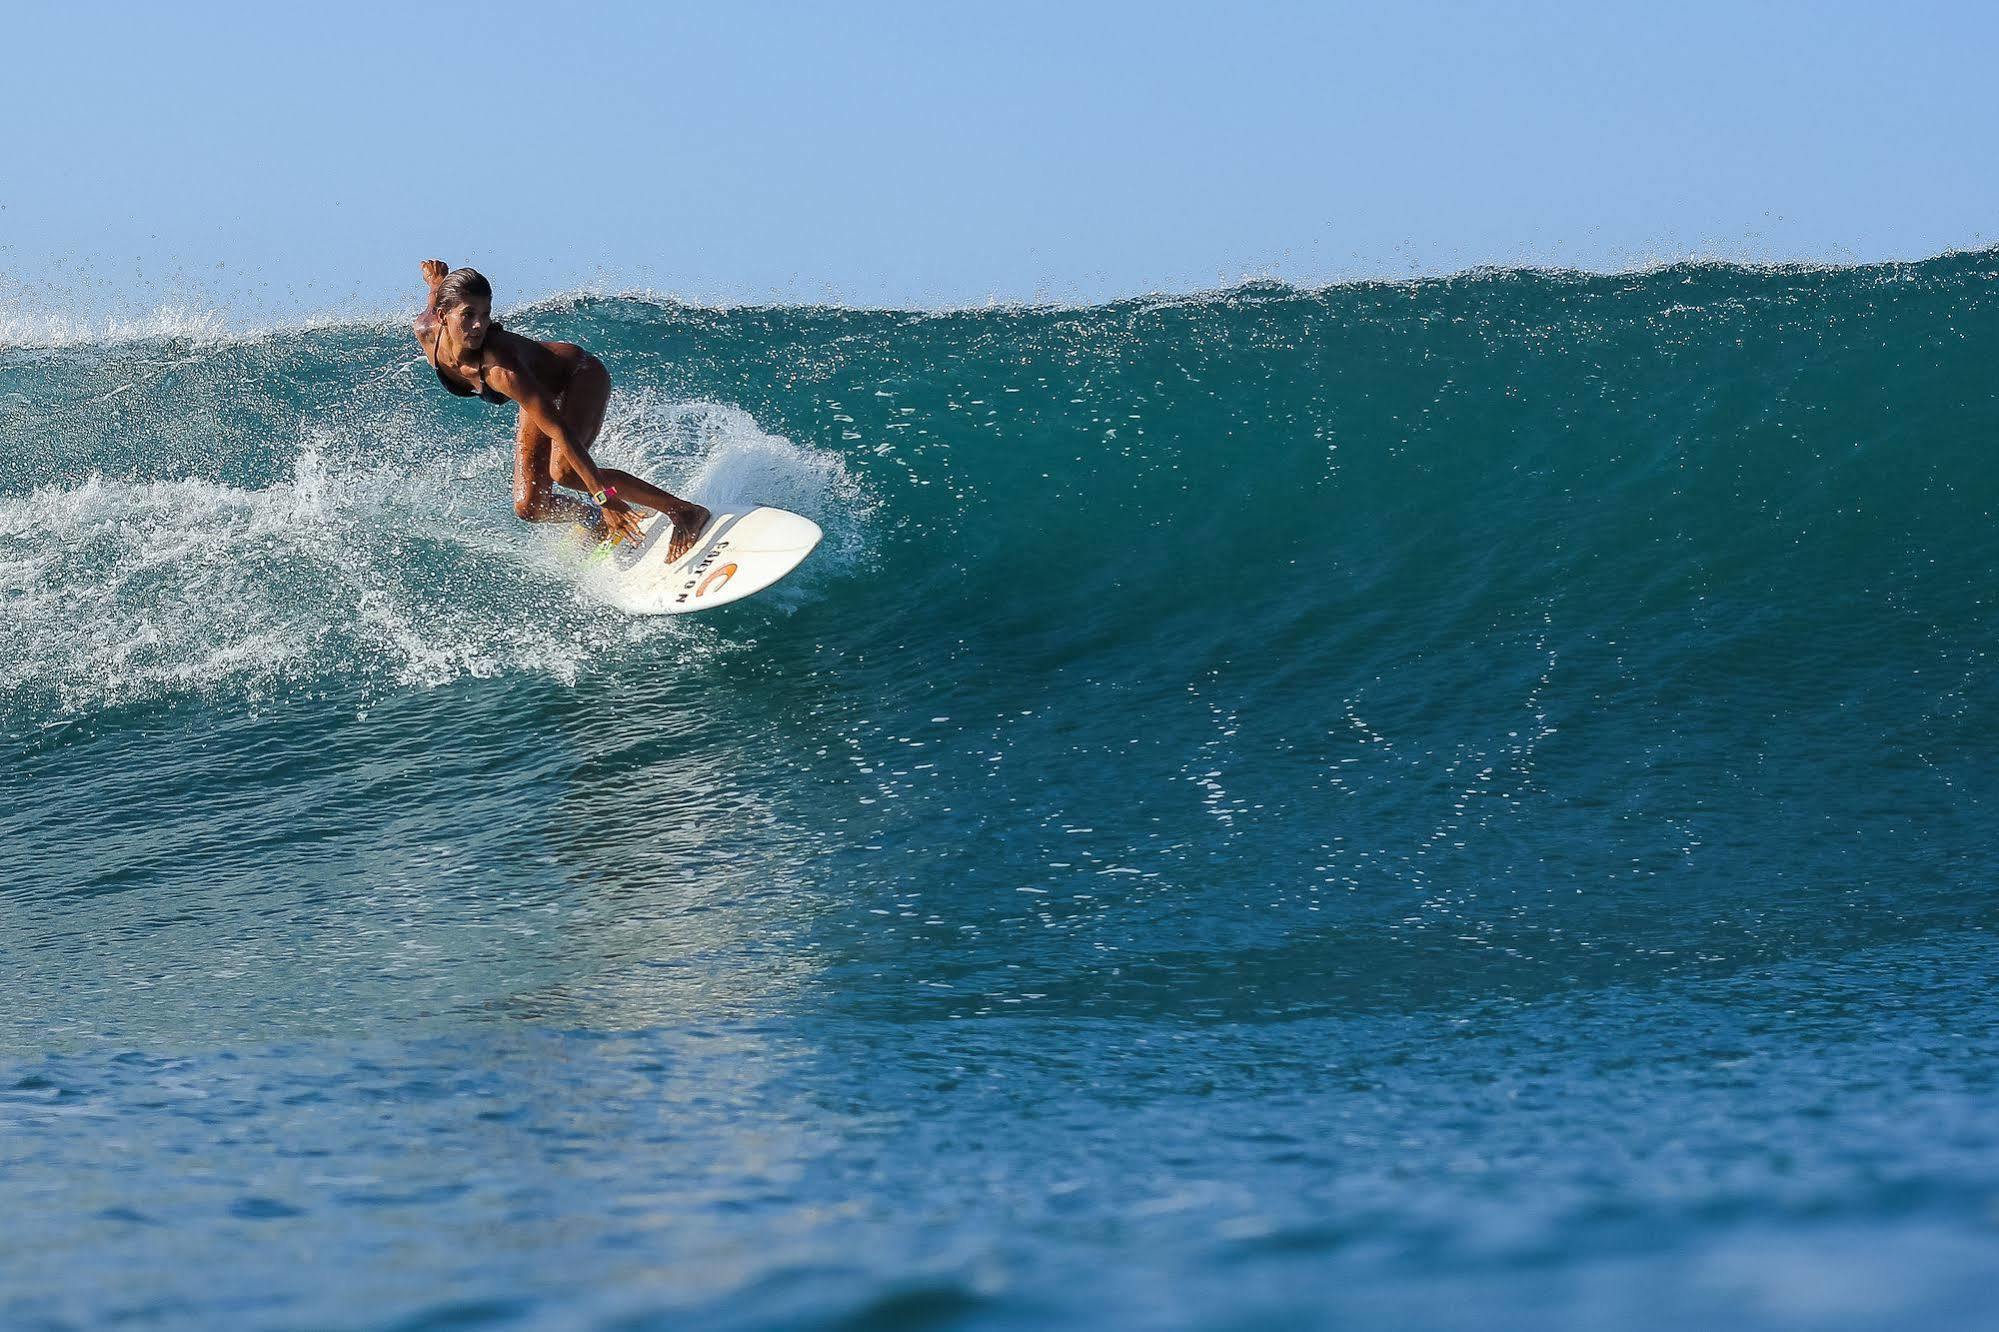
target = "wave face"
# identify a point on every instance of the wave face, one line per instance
(1248, 722)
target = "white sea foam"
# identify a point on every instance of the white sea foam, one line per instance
(27, 327)
(389, 564)
(718, 455)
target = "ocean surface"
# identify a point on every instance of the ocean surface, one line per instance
(1458, 803)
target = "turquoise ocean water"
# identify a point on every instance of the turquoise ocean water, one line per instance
(1449, 804)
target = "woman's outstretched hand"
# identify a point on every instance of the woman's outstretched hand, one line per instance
(621, 522)
(434, 271)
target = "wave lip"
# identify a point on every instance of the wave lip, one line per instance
(34, 325)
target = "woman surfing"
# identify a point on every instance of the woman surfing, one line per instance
(561, 390)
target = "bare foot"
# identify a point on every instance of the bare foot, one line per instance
(688, 524)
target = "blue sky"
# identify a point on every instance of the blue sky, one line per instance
(272, 161)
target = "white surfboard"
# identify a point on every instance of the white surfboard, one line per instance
(741, 551)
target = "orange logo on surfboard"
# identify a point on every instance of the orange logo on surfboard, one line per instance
(715, 579)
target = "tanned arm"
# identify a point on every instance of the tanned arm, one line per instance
(426, 323)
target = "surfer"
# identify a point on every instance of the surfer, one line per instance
(561, 390)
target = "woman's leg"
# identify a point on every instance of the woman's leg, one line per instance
(582, 412)
(534, 489)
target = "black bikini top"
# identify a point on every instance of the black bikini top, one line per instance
(489, 394)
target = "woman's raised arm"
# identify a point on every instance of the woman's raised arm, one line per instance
(433, 273)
